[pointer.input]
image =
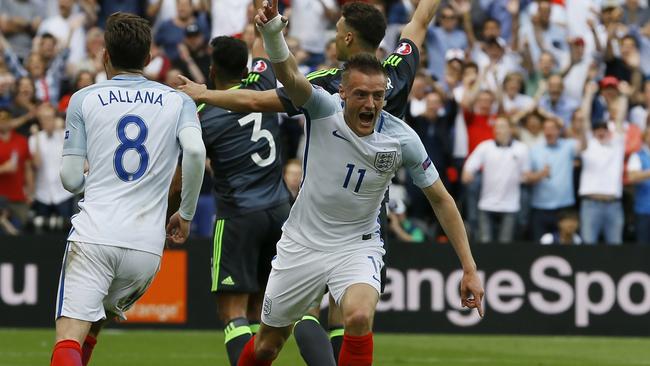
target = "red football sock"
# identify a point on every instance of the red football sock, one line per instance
(87, 349)
(66, 353)
(356, 350)
(247, 356)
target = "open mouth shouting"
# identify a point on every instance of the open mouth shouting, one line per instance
(367, 118)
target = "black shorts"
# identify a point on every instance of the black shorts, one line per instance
(244, 247)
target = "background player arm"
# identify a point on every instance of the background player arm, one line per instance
(192, 169)
(416, 29)
(271, 24)
(237, 100)
(447, 214)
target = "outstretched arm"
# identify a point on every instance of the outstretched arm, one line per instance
(416, 29)
(445, 209)
(271, 23)
(236, 100)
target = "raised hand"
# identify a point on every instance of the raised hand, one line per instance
(192, 89)
(513, 7)
(268, 11)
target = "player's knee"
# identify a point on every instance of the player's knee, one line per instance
(358, 322)
(267, 350)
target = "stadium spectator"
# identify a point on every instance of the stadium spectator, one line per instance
(67, 26)
(567, 230)
(7, 81)
(639, 113)
(194, 56)
(558, 103)
(576, 74)
(52, 203)
(16, 177)
(108, 7)
(530, 131)
(19, 22)
(229, 17)
(83, 79)
(293, 177)
(552, 177)
(624, 65)
(541, 34)
(422, 84)
(23, 109)
(512, 100)
(441, 38)
(309, 22)
(505, 165)
(159, 65)
(539, 74)
(601, 180)
(638, 171)
(172, 32)
(92, 61)
(404, 229)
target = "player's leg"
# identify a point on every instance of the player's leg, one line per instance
(296, 282)
(234, 259)
(355, 285)
(91, 340)
(255, 308)
(85, 277)
(335, 325)
(312, 340)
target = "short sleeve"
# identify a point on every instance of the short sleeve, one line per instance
(74, 142)
(401, 66)
(634, 164)
(188, 116)
(416, 161)
(291, 109)
(321, 104)
(261, 76)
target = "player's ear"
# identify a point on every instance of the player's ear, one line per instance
(349, 38)
(341, 91)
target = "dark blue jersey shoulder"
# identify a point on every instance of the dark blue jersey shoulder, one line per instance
(244, 152)
(401, 66)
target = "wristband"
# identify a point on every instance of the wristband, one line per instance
(274, 41)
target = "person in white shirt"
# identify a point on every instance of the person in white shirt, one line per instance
(348, 167)
(51, 200)
(504, 163)
(310, 20)
(130, 131)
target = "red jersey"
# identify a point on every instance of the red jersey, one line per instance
(479, 128)
(12, 185)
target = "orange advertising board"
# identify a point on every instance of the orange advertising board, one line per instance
(166, 299)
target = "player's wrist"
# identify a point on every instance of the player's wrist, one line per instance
(274, 42)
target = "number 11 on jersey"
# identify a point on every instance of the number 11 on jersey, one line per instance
(361, 172)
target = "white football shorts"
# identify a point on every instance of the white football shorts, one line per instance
(97, 280)
(300, 276)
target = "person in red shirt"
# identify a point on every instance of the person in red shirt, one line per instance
(16, 174)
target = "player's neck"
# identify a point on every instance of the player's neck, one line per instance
(111, 72)
(225, 85)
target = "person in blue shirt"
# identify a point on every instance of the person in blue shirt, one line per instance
(552, 166)
(638, 170)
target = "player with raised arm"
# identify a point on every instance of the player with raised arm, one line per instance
(130, 130)
(360, 29)
(331, 238)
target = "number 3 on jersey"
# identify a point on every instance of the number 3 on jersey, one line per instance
(259, 133)
(127, 144)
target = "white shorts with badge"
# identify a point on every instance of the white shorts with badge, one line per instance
(300, 276)
(97, 280)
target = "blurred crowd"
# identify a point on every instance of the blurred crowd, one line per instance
(534, 112)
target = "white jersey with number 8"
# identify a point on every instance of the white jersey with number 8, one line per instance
(127, 128)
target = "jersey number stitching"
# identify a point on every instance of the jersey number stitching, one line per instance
(259, 133)
(362, 173)
(127, 144)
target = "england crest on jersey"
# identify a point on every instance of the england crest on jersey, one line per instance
(385, 161)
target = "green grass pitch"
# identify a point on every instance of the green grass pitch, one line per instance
(181, 348)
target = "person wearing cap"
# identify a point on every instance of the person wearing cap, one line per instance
(638, 173)
(194, 57)
(441, 38)
(601, 177)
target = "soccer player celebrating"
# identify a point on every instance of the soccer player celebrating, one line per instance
(130, 130)
(360, 29)
(331, 237)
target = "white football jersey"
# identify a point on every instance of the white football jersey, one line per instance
(345, 176)
(127, 129)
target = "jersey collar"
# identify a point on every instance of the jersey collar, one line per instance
(129, 77)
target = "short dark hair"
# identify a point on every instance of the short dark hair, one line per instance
(364, 62)
(367, 21)
(229, 57)
(48, 36)
(128, 40)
